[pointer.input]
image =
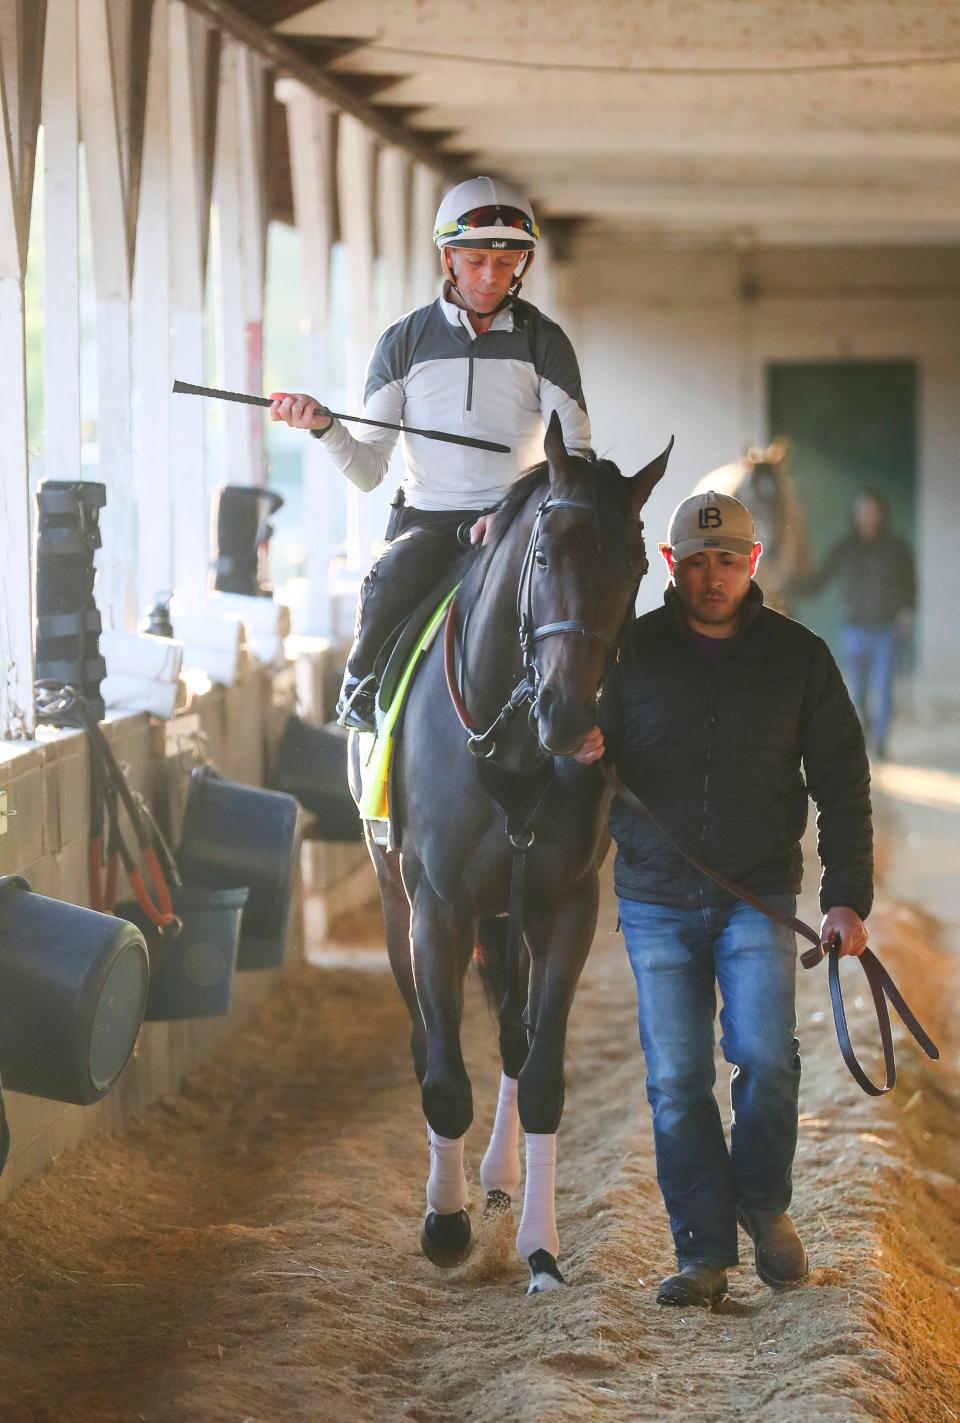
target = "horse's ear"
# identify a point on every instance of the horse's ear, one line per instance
(645, 480)
(553, 446)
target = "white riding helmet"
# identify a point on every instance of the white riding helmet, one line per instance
(485, 212)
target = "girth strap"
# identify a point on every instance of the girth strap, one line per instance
(882, 986)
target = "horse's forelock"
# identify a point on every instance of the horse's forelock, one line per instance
(600, 477)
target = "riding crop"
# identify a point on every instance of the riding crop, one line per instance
(181, 387)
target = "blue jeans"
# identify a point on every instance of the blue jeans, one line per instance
(868, 655)
(678, 957)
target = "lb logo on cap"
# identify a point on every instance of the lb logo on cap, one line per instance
(711, 520)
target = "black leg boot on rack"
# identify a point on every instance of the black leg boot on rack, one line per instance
(240, 518)
(68, 622)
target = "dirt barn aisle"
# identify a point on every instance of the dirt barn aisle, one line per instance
(248, 1250)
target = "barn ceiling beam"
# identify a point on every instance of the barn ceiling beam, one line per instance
(288, 60)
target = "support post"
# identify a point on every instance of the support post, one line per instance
(155, 571)
(310, 128)
(242, 209)
(424, 263)
(192, 99)
(366, 513)
(61, 258)
(21, 64)
(393, 229)
(103, 58)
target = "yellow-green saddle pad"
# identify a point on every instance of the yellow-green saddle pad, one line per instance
(376, 748)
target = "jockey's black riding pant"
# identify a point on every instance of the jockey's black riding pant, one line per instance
(424, 545)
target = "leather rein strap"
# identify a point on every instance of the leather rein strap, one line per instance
(882, 986)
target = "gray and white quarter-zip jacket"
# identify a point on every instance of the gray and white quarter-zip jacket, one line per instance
(431, 369)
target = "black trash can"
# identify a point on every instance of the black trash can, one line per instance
(73, 988)
(191, 974)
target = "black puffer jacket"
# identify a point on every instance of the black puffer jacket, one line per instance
(714, 749)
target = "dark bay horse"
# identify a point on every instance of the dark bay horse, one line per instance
(565, 549)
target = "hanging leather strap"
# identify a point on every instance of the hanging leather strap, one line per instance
(882, 986)
(65, 706)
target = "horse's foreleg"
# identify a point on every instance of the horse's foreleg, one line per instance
(442, 944)
(500, 1170)
(559, 944)
(396, 926)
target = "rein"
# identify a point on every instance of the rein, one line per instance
(882, 986)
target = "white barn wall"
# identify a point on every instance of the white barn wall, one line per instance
(668, 345)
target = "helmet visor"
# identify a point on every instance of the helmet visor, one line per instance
(482, 219)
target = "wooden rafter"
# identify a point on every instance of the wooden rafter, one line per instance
(22, 28)
(289, 59)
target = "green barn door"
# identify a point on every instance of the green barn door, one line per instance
(851, 425)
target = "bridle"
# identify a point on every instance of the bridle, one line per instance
(482, 743)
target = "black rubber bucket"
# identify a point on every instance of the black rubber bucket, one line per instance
(312, 765)
(236, 835)
(73, 988)
(191, 975)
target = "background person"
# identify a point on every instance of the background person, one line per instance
(477, 361)
(723, 718)
(878, 591)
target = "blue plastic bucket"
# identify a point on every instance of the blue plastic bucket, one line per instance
(191, 974)
(73, 987)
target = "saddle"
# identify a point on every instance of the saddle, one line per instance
(400, 645)
(376, 749)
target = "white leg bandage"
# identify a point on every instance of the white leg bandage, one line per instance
(447, 1182)
(538, 1225)
(500, 1168)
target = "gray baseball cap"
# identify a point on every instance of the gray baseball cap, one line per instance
(710, 520)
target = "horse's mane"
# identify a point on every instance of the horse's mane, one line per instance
(612, 495)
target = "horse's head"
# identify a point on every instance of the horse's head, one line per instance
(585, 562)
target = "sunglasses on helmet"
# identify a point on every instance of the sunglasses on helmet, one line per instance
(494, 216)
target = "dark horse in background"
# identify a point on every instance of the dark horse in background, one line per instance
(565, 549)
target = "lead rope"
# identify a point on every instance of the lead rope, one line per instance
(882, 986)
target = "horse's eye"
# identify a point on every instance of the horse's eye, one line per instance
(540, 559)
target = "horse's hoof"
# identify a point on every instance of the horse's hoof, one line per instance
(544, 1273)
(498, 1203)
(446, 1240)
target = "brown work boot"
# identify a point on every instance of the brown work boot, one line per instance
(698, 1283)
(780, 1257)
